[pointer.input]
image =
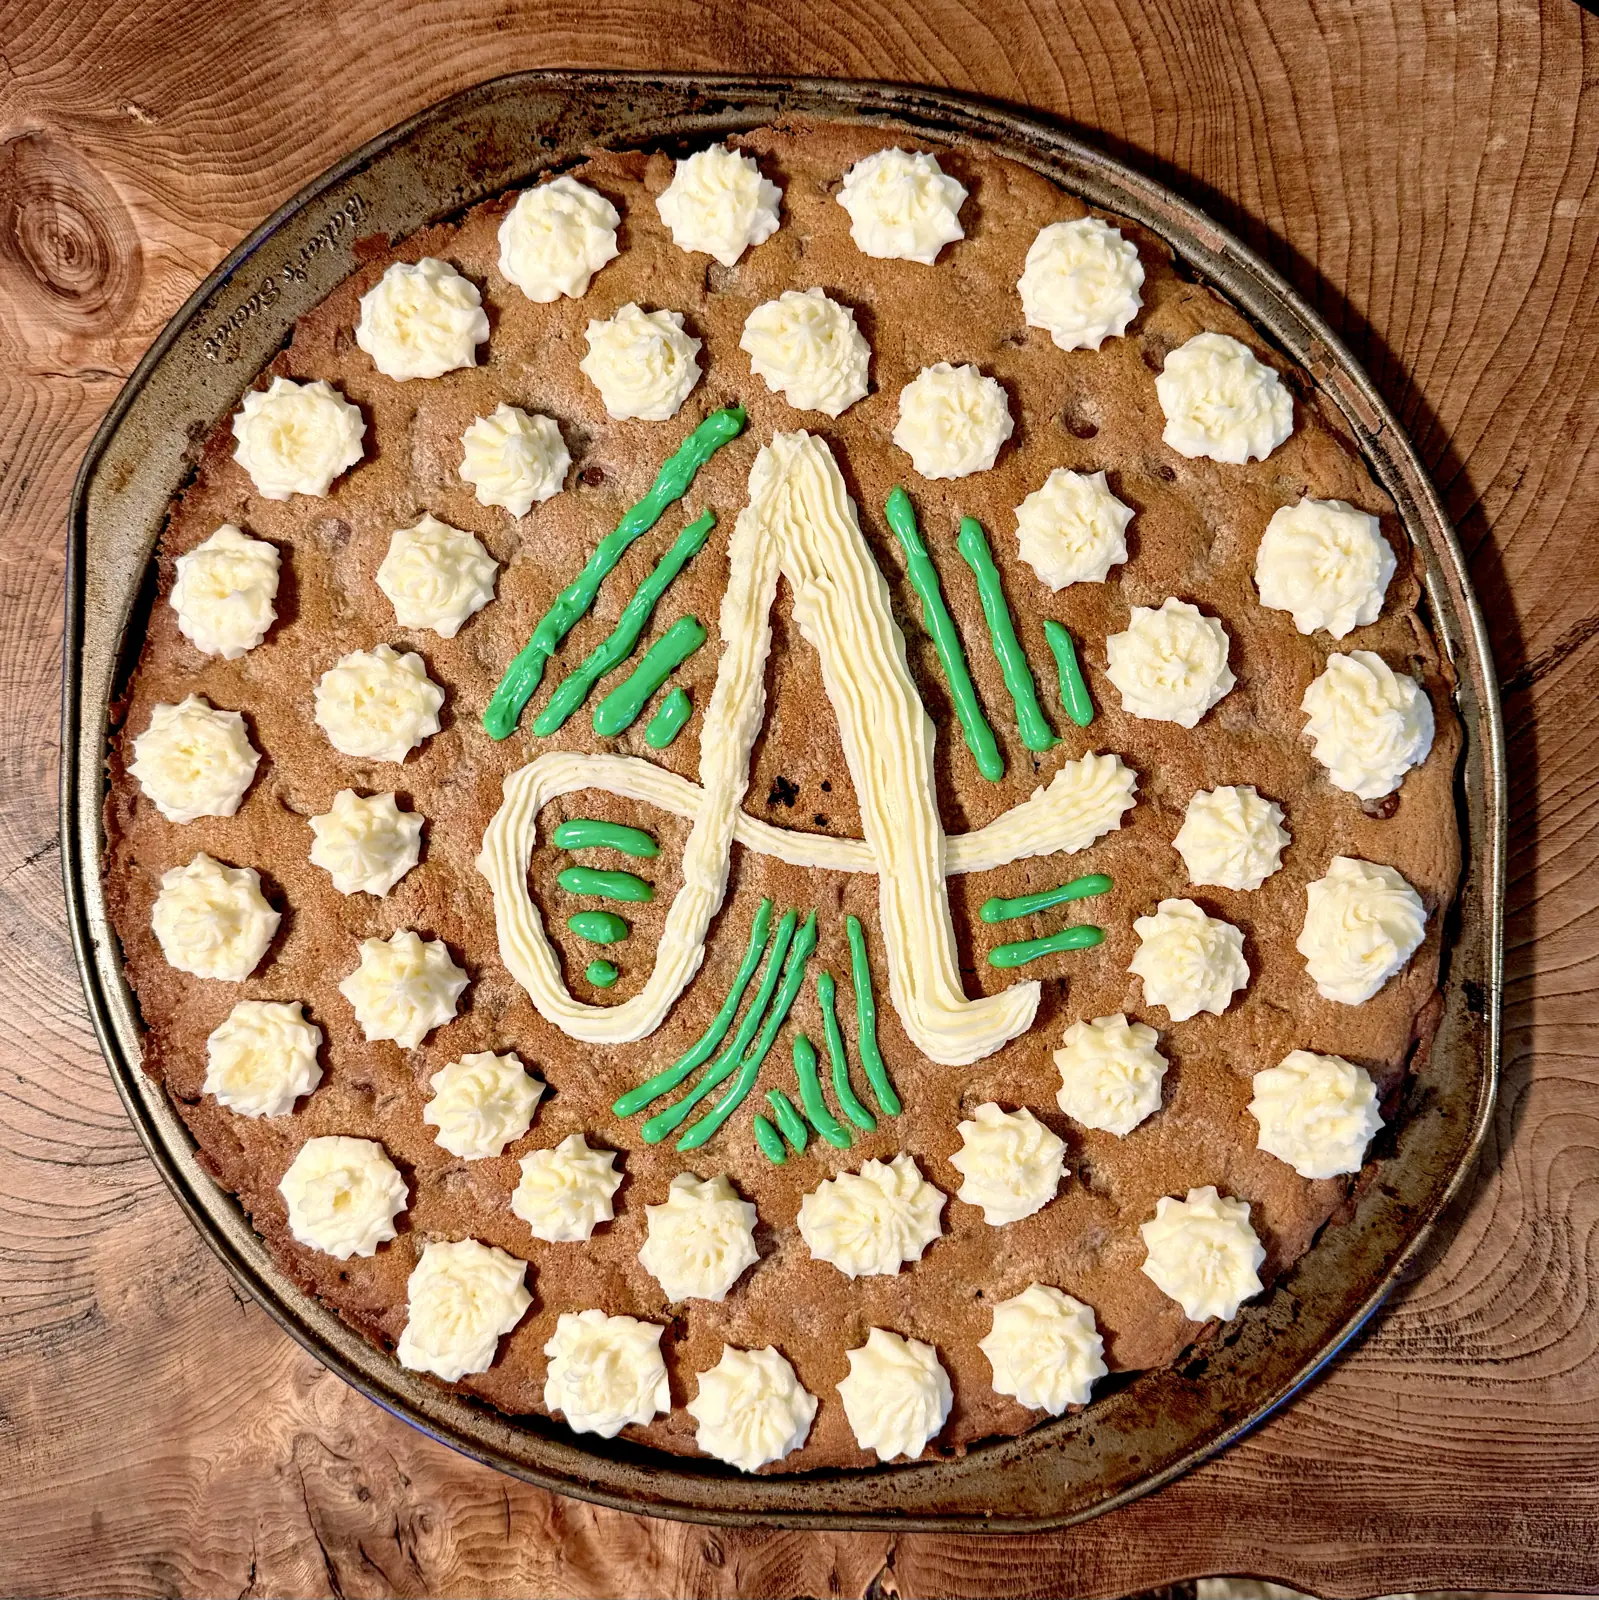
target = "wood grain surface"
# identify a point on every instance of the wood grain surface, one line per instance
(1425, 174)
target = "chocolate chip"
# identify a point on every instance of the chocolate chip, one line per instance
(591, 477)
(1381, 810)
(827, 787)
(819, 820)
(784, 792)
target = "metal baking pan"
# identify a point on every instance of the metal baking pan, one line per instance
(1143, 1430)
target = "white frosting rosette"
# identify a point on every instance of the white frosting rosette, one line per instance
(1368, 724)
(642, 362)
(1221, 402)
(872, 1221)
(1203, 1253)
(436, 576)
(605, 1372)
(514, 458)
(193, 760)
(555, 238)
(342, 1195)
(902, 206)
(807, 348)
(1110, 1073)
(1317, 1113)
(1072, 529)
(481, 1103)
(404, 987)
(1325, 563)
(565, 1193)
(701, 1240)
(897, 1394)
(952, 421)
(1081, 283)
(1170, 665)
(463, 1297)
(751, 1408)
(1363, 922)
(421, 319)
(1231, 837)
(718, 204)
(1012, 1164)
(378, 704)
(212, 920)
(296, 438)
(365, 845)
(1189, 962)
(225, 592)
(1045, 1349)
(262, 1057)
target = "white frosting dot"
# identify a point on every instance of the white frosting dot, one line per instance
(642, 362)
(225, 592)
(1231, 837)
(1170, 665)
(1317, 1113)
(366, 845)
(565, 1193)
(872, 1221)
(436, 576)
(897, 1394)
(1045, 1349)
(952, 421)
(902, 206)
(1368, 724)
(807, 348)
(262, 1057)
(1072, 529)
(1221, 402)
(1011, 1163)
(343, 1195)
(1203, 1253)
(701, 1240)
(1189, 962)
(421, 320)
(1325, 563)
(1110, 1074)
(1081, 283)
(404, 987)
(555, 238)
(1363, 922)
(378, 704)
(462, 1298)
(481, 1103)
(296, 438)
(514, 459)
(605, 1372)
(212, 920)
(719, 204)
(193, 760)
(751, 1408)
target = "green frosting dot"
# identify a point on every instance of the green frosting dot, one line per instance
(601, 974)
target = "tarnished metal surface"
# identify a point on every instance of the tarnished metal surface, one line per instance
(1138, 1433)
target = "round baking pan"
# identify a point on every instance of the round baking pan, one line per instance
(1142, 1429)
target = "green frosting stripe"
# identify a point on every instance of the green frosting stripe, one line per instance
(866, 1021)
(620, 709)
(669, 720)
(1025, 905)
(973, 545)
(626, 886)
(843, 1092)
(598, 927)
(1082, 937)
(823, 1120)
(526, 672)
(705, 1046)
(1074, 693)
(946, 641)
(612, 651)
(582, 833)
(601, 974)
(770, 1141)
(789, 1120)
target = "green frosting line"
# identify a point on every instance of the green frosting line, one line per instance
(607, 885)
(1025, 905)
(583, 834)
(843, 1092)
(620, 709)
(601, 974)
(946, 641)
(789, 1120)
(770, 1141)
(705, 1046)
(823, 1120)
(1074, 693)
(669, 720)
(526, 672)
(1036, 732)
(618, 645)
(1082, 937)
(750, 1066)
(598, 927)
(664, 1122)
(866, 1021)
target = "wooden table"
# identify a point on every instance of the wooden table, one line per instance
(1425, 174)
